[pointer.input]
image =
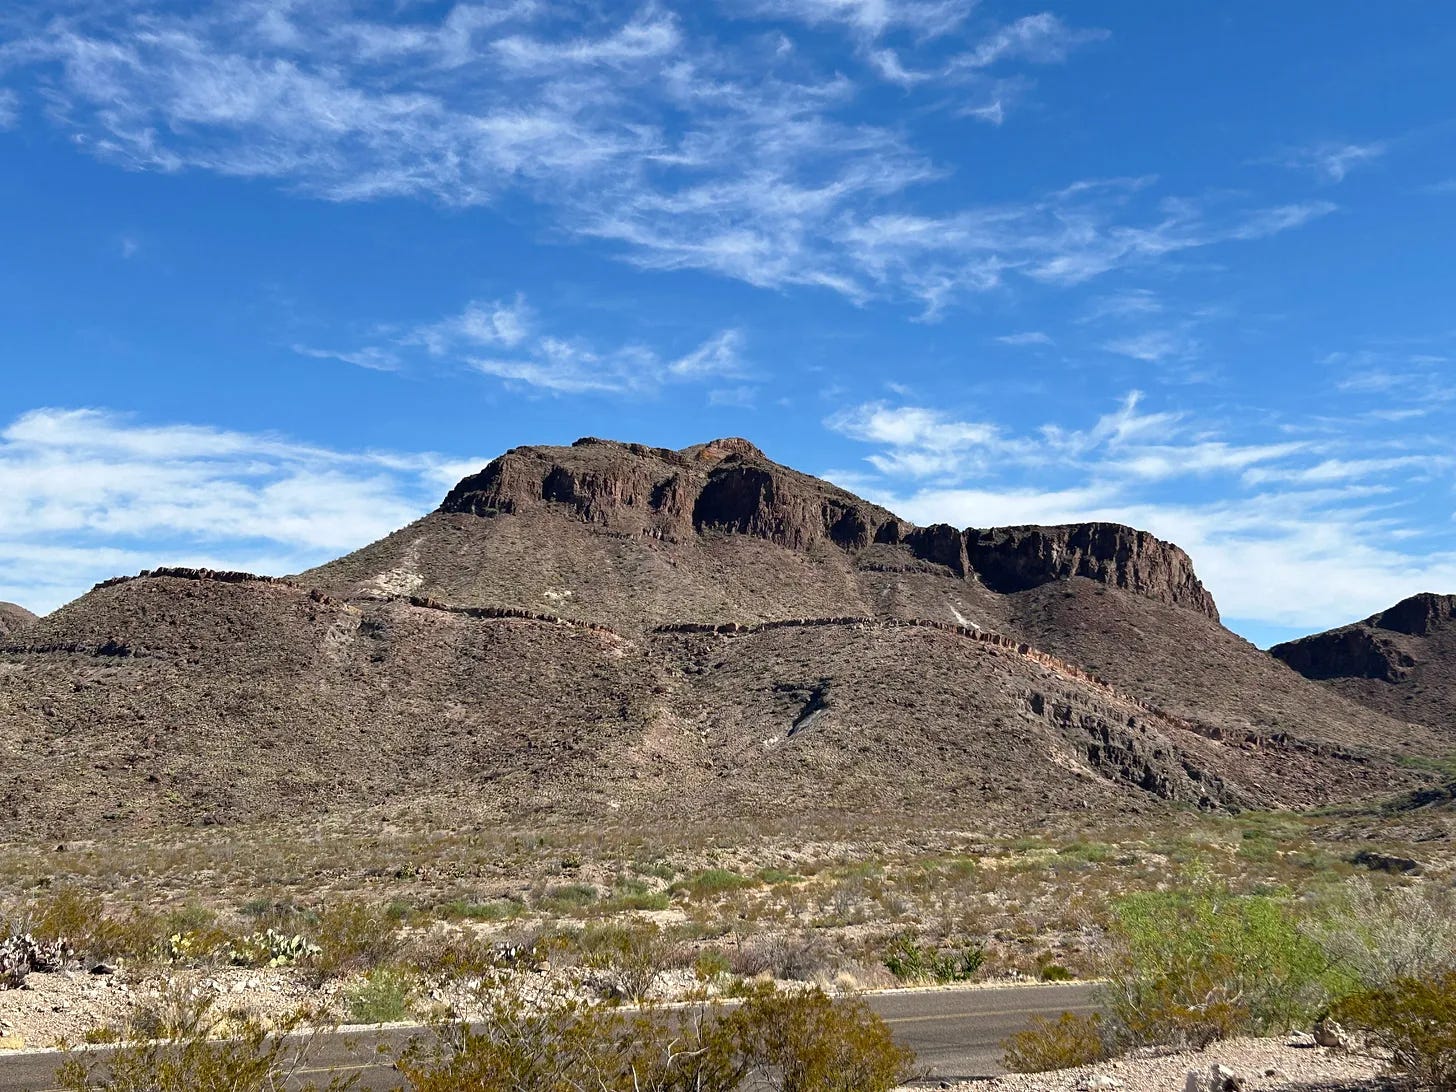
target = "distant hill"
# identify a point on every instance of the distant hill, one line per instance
(1401, 661)
(615, 631)
(13, 619)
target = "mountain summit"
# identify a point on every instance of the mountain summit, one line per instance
(628, 536)
(613, 631)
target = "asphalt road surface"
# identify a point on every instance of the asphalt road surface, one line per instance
(956, 1035)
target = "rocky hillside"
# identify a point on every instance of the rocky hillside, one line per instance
(631, 536)
(13, 619)
(614, 631)
(1401, 661)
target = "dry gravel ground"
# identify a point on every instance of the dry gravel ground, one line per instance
(1263, 1065)
(67, 1004)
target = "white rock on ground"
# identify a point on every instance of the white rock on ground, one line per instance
(1261, 1065)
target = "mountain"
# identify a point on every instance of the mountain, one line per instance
(631, 537)
(13, 619)
(610, 631)
(1401, 661)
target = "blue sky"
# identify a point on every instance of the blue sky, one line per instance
(274, 274)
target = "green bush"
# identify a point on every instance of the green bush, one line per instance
(1412, 1021)
(1070, 1040)
(1189, 967)
(354, 936)
(910, 961)
(383, 996)
(630, 959)
(800, 1041)
(805, 1042)
(1374, 937)
(569, 896)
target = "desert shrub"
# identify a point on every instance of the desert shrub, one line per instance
(1375, 937)
(353, 936)
(1072, 1039)
(910, 961)
(710, 965)
(799, 1041)
(797, 957)
(805, 1042)
(635, 895)
(567, 897)
(183, 1044)
(773, 876)
(382, 996)
(1413, 1022)
(629, 959)
(67, 914)
(1055, 972)
(495, 910)
(1192, 967)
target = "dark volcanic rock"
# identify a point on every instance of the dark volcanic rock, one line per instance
(1012, 559)
(1355, 653)
(1400, 661)
(13, 619)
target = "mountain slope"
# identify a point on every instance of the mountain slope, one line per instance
(614, 631)
(1401, 661)
(185, 697)
(13, 619)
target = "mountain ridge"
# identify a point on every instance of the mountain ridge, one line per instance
(612, 631)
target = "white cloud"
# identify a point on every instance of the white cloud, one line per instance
(87, 494)
(1333, 160)
(676, 148)
(9, 108)
(504, 339)
(870, 18)
(1028, 337)
(1041, 39)
(1153, 346)
(1294, 532)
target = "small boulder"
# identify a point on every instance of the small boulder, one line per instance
(1327, 1033)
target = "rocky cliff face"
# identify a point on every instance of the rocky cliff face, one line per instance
(13, 619)
(1400, 661)
(1011, 559)
(730, 487)
(726, 486)
(1354, 653)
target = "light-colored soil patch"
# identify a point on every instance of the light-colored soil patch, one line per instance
(1263, 1065)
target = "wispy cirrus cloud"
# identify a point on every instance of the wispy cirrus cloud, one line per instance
(505, 339)
(673, 146)
(1333, 160)
(86, 494)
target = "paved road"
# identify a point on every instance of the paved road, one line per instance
(956, 1035)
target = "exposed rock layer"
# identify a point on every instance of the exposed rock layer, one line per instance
(683, 536)
(1400, 661)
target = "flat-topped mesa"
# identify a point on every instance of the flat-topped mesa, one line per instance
(1011, 559)
(726, 485)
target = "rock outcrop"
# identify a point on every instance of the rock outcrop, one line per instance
(1011, 559)
(1400, 661)
(729, 487)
